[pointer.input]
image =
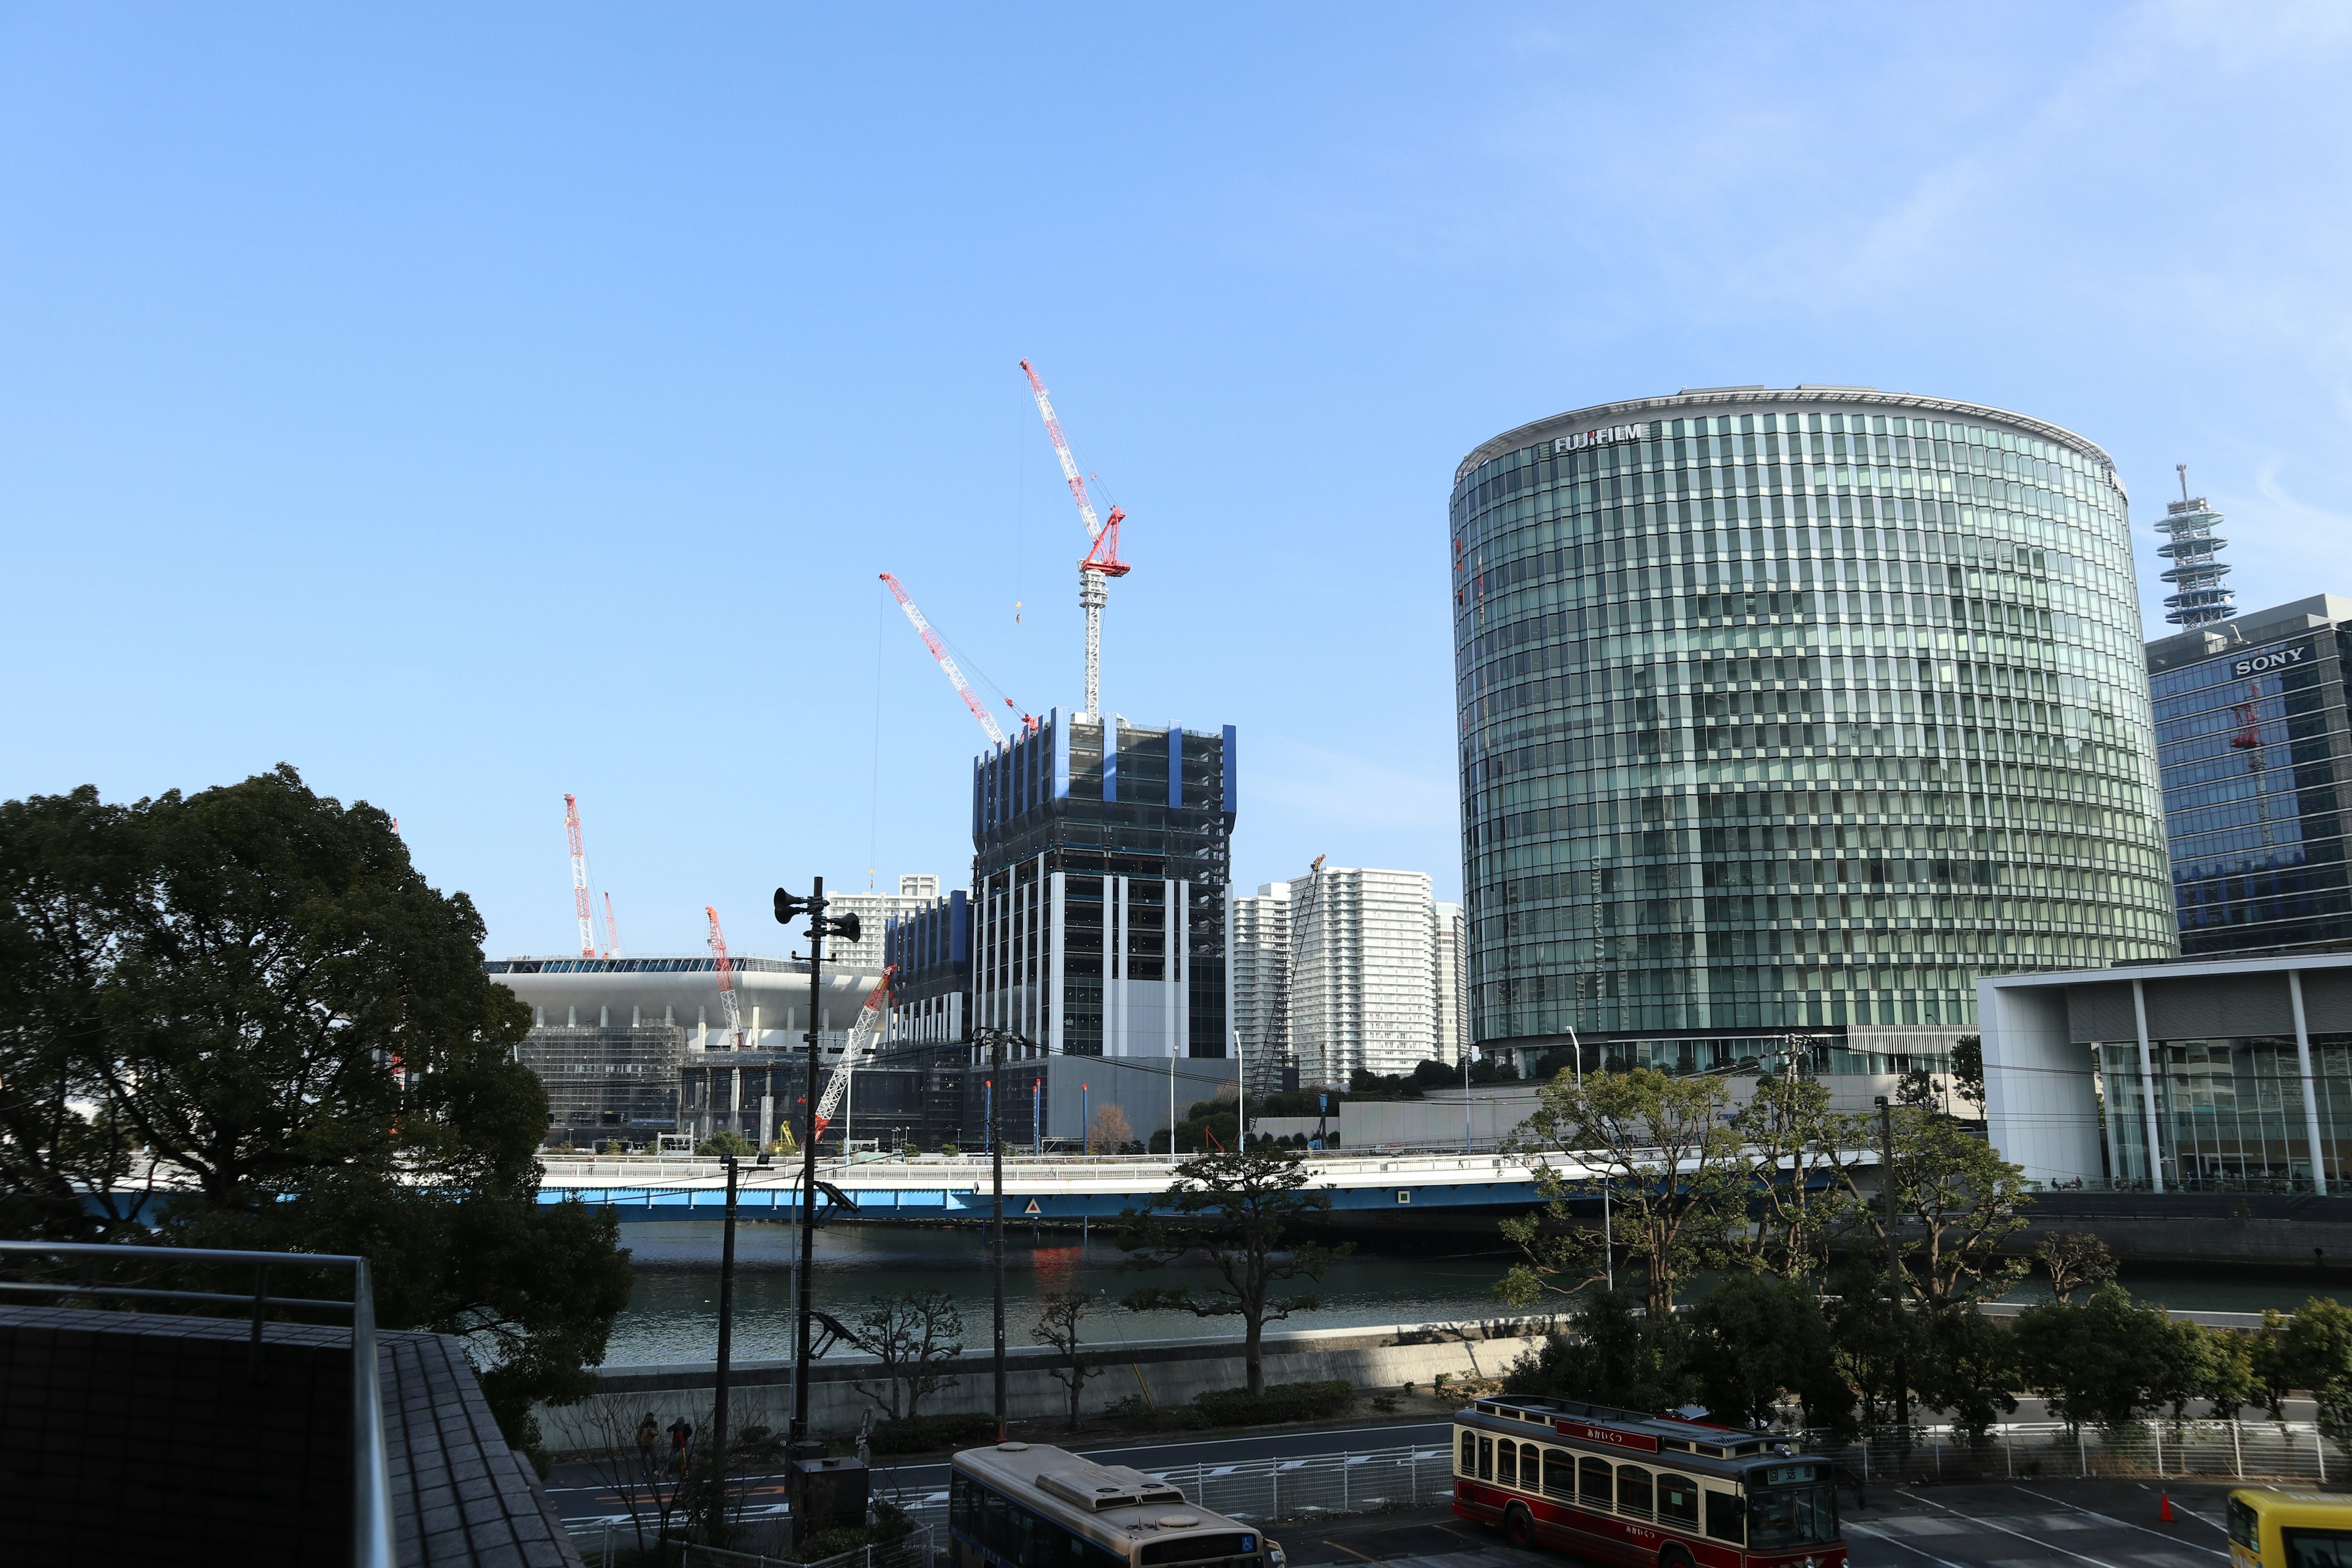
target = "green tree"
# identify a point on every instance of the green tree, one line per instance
(1616, 1354)
(1967, 1070)
(1792, 1140)
(1957, 1202)
(724, 1141)
(1967, 1365)
(1245, 1214)
(2105, 1361)
(2312, 1351)
(1676, 1179)
(272, 1013)
(1060, 1314)
(1868, 1336)
(1753, 1339)
(2230, 1382)
(2074, 1263)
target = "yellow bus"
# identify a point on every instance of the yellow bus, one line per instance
(2277, 1528)
(1029, 1505)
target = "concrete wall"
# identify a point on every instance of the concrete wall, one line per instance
(2039, 1106)
(1169, 1372)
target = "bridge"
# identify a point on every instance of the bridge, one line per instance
(1411, 1189)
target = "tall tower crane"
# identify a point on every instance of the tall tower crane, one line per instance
(611, 929)
(1102, 561)
(862, 1034)
(727, 997)
(955, 675)
(579, 878)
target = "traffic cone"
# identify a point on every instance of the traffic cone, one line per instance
(2164, 1507)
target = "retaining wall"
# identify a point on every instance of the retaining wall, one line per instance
(1167, 1373)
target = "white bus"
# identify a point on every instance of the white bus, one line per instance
(1029, 1505)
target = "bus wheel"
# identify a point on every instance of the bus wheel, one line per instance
(1519, 1526)
(1673, 1557)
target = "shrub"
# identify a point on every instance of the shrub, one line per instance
(929, 1434)
(1281, 1402)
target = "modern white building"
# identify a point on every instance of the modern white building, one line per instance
(1452, 972)
(1363, 973)
(874, 912)
(1257, 967)
(2197, 1076)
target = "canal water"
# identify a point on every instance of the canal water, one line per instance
(674, 1314)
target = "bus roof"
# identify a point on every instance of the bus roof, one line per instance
(1115, 1499)
(1659, 1435)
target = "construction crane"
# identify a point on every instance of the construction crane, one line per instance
(1102, 561)
(612, 930)
(947, 664)
(726, 998)
(1278, 1029)
(580, 879)
(862, 1034)
(2249, 740)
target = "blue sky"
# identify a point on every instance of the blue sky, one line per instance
(468, 404)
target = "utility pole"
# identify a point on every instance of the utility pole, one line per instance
(788, 907)
(1893, 1267)
(996, 1212)
(726, 1357)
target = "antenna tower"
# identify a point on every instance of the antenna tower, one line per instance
(2192, 546)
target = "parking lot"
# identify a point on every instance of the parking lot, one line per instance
(2085, 1524)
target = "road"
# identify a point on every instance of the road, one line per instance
(578, 1495)
(2078, 1524)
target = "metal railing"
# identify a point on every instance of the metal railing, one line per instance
(371, 1469)
(602, 1544)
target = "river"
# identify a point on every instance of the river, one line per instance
(674, 1314)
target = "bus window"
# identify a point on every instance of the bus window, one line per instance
(1633, 1490)
(1485, 1458)
(2245, 1525)
(2316, 1547)
(1793, 1516)
(1559, 1473)
(1594, 1484)
(1469, 1453)
(1677, 1500)
(1507, 1463)
(1726, 1517)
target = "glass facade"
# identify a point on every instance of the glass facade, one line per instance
(2229, 1111)
(2252, 741)
(1794, 712)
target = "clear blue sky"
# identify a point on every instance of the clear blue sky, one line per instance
(469, 404)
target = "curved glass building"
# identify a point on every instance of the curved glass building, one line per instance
(1787, 715)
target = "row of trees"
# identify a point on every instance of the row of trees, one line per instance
(1777, 1185)
(244, 1018)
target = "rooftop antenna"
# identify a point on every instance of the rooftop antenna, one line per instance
(2192, 546)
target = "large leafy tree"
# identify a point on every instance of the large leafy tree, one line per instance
(1674, 1175)
(1956, 1205)
(1798, 1149)
(1245, 1215)
(248, 1003)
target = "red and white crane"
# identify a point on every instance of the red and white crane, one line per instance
(612, 930)
(727, 997)
(580, 879)
(1102, 561)
(954, 674)
(862, 1035)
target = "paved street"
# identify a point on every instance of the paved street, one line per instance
(2093, 1524)
(579, 1496)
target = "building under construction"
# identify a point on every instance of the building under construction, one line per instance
(1100, 871)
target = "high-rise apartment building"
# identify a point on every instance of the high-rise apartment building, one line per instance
(1363, 973)
(1257, 967)
(1452, 978)
(1099, 874)
(2255, 749)
(1793, 713)
(874, 912)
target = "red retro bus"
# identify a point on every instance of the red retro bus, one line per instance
(1621, 1487)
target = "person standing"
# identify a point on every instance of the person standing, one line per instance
(681, 1434)
(649, 1432)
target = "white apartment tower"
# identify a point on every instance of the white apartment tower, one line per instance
(1363, 962)
(1453, 984)
(1257, 967)
(874, 912)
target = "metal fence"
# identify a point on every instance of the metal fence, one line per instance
(611, 1543)
(2235, 1450)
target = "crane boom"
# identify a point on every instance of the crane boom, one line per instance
(1102, 557)
(579, 878)
(938, 651)
(726, 979)
(853, 1051)
(612, 930)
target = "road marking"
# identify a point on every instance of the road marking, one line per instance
(1898, 1541)
(1354, 1553)
(1506, 1546)
(2124, 1523)
(1227, 1442)
(1989, 1524)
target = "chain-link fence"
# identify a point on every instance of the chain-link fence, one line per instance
(609, 1543)
(2234, 1450)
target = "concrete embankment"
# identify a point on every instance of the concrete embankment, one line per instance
(2277, 1233)
(1166, 1373)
